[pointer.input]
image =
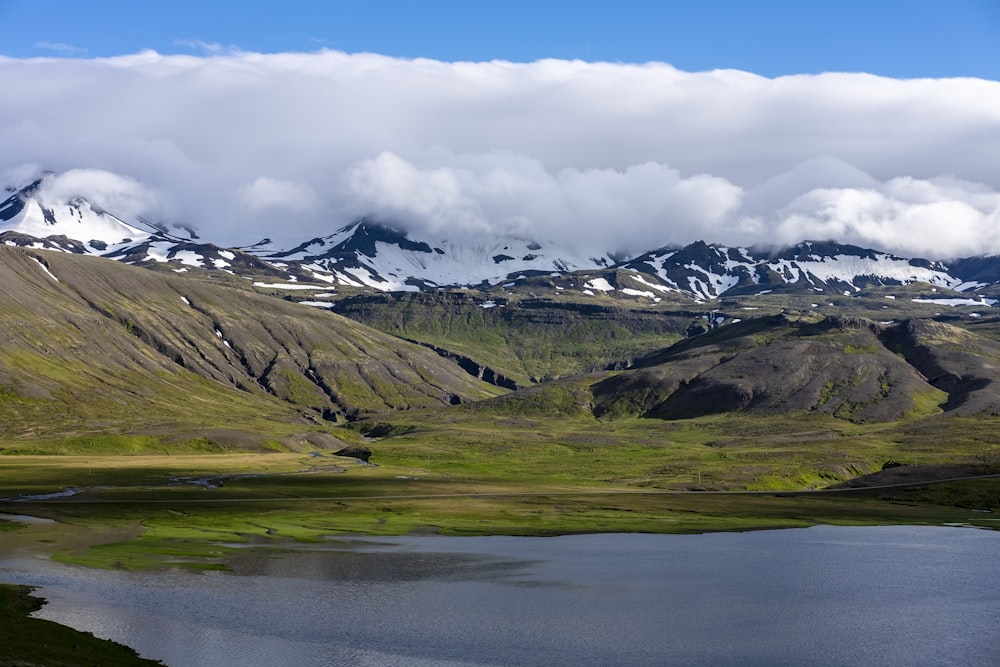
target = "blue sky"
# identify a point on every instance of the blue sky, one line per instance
(895, 38)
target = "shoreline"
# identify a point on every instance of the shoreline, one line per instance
(28, 640)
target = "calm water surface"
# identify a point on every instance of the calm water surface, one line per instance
(819, 596)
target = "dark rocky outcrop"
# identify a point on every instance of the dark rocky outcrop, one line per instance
(355, 452)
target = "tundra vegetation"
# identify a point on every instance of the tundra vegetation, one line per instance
(202, 413)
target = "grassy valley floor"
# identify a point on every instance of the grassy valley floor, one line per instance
(476, 475)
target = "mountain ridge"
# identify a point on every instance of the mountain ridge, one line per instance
(373, 256)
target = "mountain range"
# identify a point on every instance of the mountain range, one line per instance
(368, 256)
(127, 336)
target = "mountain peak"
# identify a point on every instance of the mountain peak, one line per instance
(387, 258)
(365, 234)
(378, 255)
(25, 212)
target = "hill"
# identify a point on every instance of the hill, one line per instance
(848, 368)
(91, 345)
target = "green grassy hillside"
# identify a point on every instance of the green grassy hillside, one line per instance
(523, 338)
(91, 346)
(848, 368)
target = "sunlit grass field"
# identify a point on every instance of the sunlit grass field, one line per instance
(473, 473)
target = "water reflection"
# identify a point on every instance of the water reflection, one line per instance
(24, 518)
(822, 596)
(357, 562)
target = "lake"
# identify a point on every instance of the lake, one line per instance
(820, 596)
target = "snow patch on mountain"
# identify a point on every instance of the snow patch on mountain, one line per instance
(708, 284)
(847, 268)
(639, 278)
(599, 284)
(45, 269)
(957, 302)
(290, 286)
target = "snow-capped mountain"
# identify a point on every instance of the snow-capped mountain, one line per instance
(705, 271)
(387, 259)
(367, 254)
(78, 226)
(75, 225)
(370, 256)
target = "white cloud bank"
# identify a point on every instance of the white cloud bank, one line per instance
(605, 156)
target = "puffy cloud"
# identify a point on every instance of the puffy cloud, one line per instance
(60, 47)
(272, 205)
(591, 209)
(394, 189)
(599, 153)
(265, 193)
(943, 218)
(120, 195)
(21, 175)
